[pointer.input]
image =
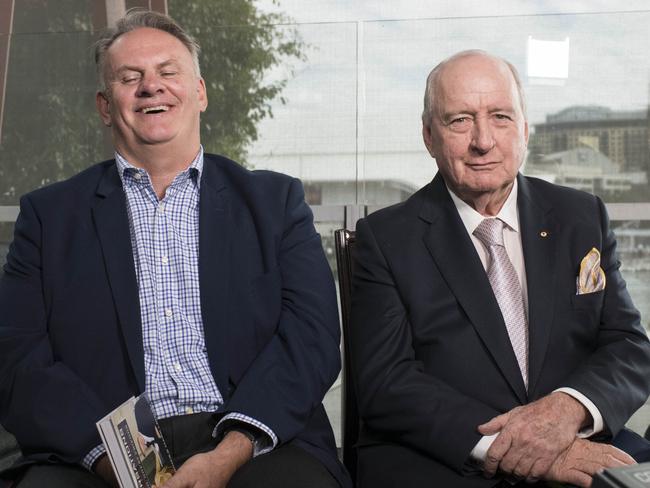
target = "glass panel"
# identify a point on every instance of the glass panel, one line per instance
(633, 246)
(50, 128)
(6, 236)
(38, 16)
(588, 116)
(347, 121)
(313, 135)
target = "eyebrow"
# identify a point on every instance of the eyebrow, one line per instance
(164, 64)
(466, 111)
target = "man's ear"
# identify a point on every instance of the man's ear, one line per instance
(103, 107)
(203, 95)
(428, 138)
(526, 131)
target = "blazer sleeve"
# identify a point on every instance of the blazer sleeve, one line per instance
(616, 376)
(49, 409)
(288, 379)
(398, 401)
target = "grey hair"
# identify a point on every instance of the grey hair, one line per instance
(432, 82)
(137, 18)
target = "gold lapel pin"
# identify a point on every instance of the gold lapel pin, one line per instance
(543, 233)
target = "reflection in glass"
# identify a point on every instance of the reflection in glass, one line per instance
(6, 236)
(352, 117)
(594, 149)
(633, 246)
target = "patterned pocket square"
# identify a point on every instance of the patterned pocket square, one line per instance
(591, 277)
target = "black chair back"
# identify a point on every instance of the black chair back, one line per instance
(344, 240)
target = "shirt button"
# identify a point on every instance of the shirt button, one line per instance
(168, 312)
(189, 410)
(161, 206)
(137, 176)
(165, 260)
(177, 367)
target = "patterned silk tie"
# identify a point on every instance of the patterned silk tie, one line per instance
(507, 290)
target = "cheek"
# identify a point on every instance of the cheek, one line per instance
(452, 166)
(455, 145)
(119, 110)
(456, 153)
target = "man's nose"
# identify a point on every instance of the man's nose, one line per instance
(482, 136)
(150, 84)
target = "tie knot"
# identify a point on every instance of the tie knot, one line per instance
(490, 232)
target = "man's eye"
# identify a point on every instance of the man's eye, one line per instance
(459, 121)
(502, 117)
(130, 79)
(168, 74)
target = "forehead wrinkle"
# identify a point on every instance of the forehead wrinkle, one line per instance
(474, 101)
(137, 67)
(492, 76)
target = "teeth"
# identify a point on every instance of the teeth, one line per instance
(159, 108)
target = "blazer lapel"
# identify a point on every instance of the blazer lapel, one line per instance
(215, 232)
(456, 258)
(112, 224)
(539, 240)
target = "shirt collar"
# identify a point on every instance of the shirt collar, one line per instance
(194, 169)
(471, 218)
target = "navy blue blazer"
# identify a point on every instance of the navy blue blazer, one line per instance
(70, 330)
(430, 351)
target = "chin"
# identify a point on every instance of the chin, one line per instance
(152, 139)
(482, 187)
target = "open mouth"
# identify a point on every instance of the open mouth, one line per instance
(155, 110)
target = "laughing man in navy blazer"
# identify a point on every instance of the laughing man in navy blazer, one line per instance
(175, 273)
(482, 356)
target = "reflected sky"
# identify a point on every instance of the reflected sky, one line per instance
(358, 97)
(314, 11)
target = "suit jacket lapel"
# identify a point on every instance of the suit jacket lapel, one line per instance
(215, 235)
(112, 225)
(539, 240)
(456, 258)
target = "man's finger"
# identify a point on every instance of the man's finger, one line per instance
(524, 467)
(511, 461)
(173, 482)
(494, 425)
(578, 478)
(495, 453)
(538, 470)
(622, 456)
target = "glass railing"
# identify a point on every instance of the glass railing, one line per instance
(347, 121)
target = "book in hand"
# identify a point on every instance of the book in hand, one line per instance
(135, 445)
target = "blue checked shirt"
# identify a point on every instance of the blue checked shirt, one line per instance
(165, 243)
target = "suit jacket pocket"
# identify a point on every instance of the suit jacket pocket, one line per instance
(589, 301)
(588, 308)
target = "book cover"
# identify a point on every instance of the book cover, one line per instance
(135, 445)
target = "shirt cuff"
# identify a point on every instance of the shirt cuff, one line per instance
(481, 448)
(597, 419)
(269, 439)
(92, 457)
